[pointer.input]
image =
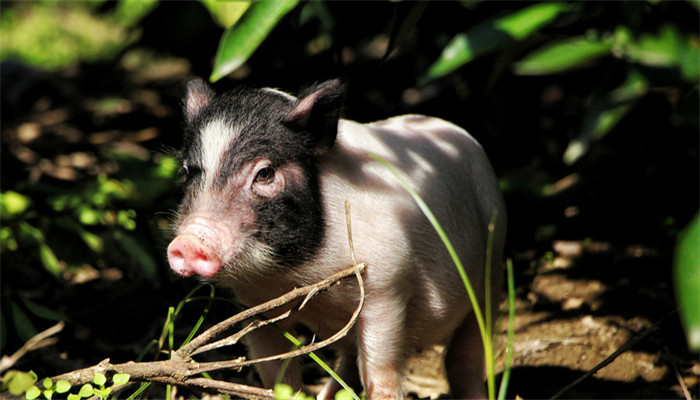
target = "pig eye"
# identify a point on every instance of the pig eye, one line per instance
(190, 171)
(265, 174)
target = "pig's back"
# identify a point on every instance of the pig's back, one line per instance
(452, 174)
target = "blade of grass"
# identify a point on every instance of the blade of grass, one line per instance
(511, 328)
(321, 363)
(488, 345)
(196, 327)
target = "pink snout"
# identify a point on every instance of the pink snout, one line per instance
(188, 255)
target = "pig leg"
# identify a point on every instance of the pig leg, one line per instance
(464, 361)
(266, 342)
(381, 346)
(347, 370)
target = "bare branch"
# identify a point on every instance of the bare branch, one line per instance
(182, 371)
(40, 340)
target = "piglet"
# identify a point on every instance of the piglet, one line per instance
(266, 178)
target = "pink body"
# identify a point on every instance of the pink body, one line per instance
(414, 295)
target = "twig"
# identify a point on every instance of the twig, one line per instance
(625, 347)
(182, 371)
(679, 377)
(40, 340)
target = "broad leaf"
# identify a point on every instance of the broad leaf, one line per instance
(240, 41)
(686, 276)
(608, 106)
(226, 13)
(562, 56)
(493, 34)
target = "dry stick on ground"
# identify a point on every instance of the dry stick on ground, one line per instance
(182, 371)
(40, 340)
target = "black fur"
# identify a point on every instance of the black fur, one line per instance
(282, 130)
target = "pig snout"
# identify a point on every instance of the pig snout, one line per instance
(188, 255)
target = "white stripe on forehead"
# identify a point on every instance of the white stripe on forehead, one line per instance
(215, 139)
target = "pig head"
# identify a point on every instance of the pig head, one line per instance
(266, 175)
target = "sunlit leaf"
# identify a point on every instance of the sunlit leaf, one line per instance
(686, 274)
(13, 204)
(226, 13)
(49, 259)
(47, 382)
(343, 394)
(120, 379)
(608, 106)
(240, 41)
(130, 12)
(33, 393)
(491, 35)
(562, 56)
(17, 382)
(283, 392)
(656, 50)
(523, 23)
(99, 379)
(62, 386)
(690, 59)
(86, 390)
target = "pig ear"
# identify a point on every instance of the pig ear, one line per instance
(199, 95)
(317, 112)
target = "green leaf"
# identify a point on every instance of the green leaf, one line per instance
(74, 396)
(86, 390)
(608, 106)
(42, 311)
(562, 56)
(62, 386)
(130, 12)
(226, 13)
(21, 322)
(120, 379)
(33, 393)
(99, 379)
(240, 41)
(47, 382)
(523, 23)
(283, 392)
(143, 257)
(656, 50)
(400, 30)
(686, 277)
(13, 204)
(343, 394)
(493, 34)
(18, 382)
(48, 393)
(49, 259)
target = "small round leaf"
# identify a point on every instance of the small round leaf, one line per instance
(86, 390)
(62, 386)
(120, 379)
(47, 382)
(100, 379)
(32, 393)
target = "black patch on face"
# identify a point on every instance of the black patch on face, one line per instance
(292, 224)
